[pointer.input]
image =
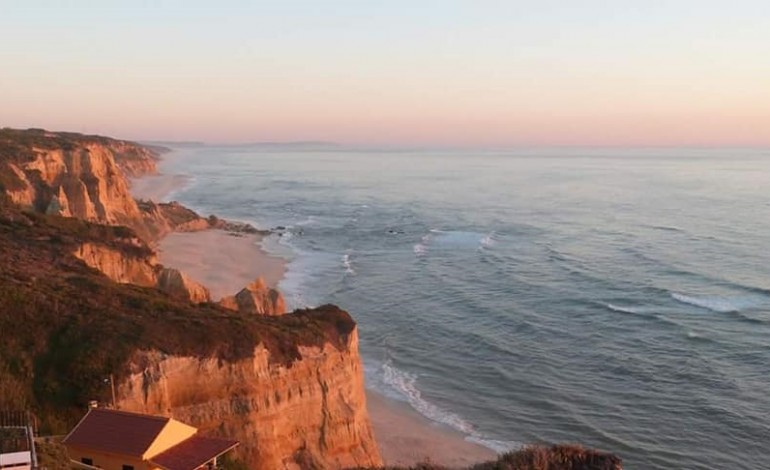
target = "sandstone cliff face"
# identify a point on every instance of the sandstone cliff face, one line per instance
(136, 160)
(176, 284)
(82, 181)
(91, 180)
(22, 193)
(256, 298)
(120, 265)
(311, 414)
(132, 262)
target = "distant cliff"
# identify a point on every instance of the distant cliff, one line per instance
(75, 175)
(84, 177)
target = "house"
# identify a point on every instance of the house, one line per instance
(17, 441)
(119, 440)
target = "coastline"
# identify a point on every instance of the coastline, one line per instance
(405, 437)
(225, 263)
(157, 187)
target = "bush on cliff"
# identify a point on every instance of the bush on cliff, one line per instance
(556, 457)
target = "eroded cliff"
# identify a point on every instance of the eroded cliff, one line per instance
(84, 290)
(309, 414)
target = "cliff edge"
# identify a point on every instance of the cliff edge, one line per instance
(81, 291)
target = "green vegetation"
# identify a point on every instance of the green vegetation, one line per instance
(66, 326)
(51, 454)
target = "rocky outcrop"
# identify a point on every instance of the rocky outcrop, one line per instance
(178, 285)
(256, 298)
(311, 414)
(119, 264)
(18, 188)
(132, 262)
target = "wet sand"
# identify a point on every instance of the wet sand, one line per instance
(405, 437)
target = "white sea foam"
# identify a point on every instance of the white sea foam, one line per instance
(347, 263)
(304, 267)
(420, 249)
(405, 386)
(498, 446)
(627, 309)
(718, 304)
(453, 239)
(310, 220)
(487, 241)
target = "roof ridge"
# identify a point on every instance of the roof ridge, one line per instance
(134, 413)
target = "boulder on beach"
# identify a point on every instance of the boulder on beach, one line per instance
(256, 298)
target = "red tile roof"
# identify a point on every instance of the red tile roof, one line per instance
(117, 432)
(192, 453)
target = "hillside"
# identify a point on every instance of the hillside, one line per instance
(70, 327)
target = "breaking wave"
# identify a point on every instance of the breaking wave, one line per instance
(628, 309)
(718, 304)
(454, 239)
(405, 384)
(346, 262)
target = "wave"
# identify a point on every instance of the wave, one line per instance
(487, 241)
(420, 249)
(405, 386)
(454, 239)
(405, 383)
(348, 266)
(628, 309)
(728, 305)
(498, 446)
(718, 304)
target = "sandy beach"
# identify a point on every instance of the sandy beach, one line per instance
(222, 261)
(226, 262)
(405, 437)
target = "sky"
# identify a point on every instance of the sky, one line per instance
(444, 73)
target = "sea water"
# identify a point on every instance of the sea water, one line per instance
(616, 298)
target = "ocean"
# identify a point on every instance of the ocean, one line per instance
(616, 298)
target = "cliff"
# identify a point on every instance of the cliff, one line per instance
(289, 387)
(120, 264)
(178, 285)
(75, 175)
(311, 414)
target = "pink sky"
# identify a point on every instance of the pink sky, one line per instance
(466, 74)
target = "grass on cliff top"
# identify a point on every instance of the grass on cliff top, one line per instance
(16, 144)
(66, 326)
(538, 457)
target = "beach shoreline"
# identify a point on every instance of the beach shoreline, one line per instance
(225, 262)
